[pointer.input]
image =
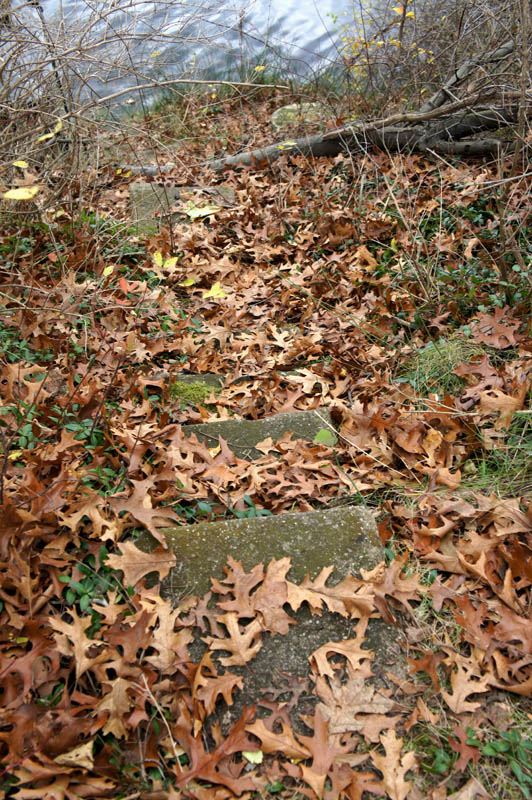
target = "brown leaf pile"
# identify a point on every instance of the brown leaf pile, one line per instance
(111, 695)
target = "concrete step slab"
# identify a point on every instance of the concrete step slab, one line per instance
(346, 537)
(243, 435)
(150, 204)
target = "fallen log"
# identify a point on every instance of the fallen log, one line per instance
(436, 131)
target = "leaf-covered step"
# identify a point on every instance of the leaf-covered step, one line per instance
(344, 537)
(243, 435)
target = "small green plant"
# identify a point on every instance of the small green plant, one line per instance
(514, 750)
(431, 369)
(251, 512)
(14, 348)
(91, 591)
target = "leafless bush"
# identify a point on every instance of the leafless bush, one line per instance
(55, 72)
(402, 52)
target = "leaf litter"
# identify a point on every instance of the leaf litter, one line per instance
(285, 294)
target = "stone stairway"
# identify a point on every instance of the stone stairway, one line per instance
(345, 536)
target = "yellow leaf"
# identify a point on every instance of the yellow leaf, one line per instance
(410, 14)
(398, 9)
(259, 68)
(196, 212)
(170, 263)
(22, 193)
(215, 291)
(57, 128)
(108, 271)
(285, 145)
(21, 164)
(253, 756)
(158, 258)
(187, 282)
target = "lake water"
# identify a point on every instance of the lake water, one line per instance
(123, 43)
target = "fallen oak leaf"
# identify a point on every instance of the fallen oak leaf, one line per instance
(243, 646)
(324, 752)
(139, 505)
(393, 767)
(467, 752)
(495, 401)
(81, 757)
(284, 742)
(118, 703)
(496, 330)
(136, 564)
(73, 641)
(464, 682)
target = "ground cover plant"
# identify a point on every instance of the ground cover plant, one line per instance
(393, 289)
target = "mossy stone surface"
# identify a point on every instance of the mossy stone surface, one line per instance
(243, 435)
(193, 393)
(346, 537)
(207, 378)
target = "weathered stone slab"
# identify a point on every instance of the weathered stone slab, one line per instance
(150, 203)
(242, 435)
(291, 117)
(346, 537)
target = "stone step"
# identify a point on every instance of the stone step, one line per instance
(346, 537)
(243, 435)
(150, 204)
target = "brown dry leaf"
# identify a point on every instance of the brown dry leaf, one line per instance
(118, 703)
(171, 644)
(284, 742)
(81, 757)
(139, 505)
(73, 641)
(495, 401)
(465, 681)
(431, 442)
(497, 329)
(352, 705)
(472, 790)
(324, 752)
(350, 649)
(208, 685)
(243, 645)
(135, 564)
(393, 766)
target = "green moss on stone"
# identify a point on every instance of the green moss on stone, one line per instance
(192, 394)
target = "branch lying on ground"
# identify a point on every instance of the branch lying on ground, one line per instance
(436, 131)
